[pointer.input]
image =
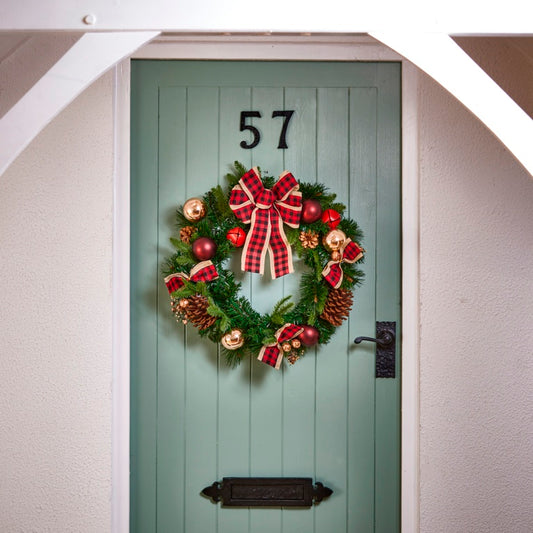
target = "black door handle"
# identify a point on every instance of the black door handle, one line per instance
(385, 349)
(386, 338)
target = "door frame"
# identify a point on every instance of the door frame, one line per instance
(267, 47)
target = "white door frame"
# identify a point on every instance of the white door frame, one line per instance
(317, 48)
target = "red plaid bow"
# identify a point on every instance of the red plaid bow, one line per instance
(267, 210)
(204, 271)
(272, 354)
(350, 253)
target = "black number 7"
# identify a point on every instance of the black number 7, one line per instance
(283, 135)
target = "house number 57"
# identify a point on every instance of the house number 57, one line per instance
(245, 115)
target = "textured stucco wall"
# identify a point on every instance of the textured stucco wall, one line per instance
(55, 319)
(476, 359)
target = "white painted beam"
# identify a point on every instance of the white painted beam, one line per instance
(452, 16)
(440, 57)
(89, 58)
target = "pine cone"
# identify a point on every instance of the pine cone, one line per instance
(196, 312)
(309, 239)
(186, 233)
(338, 306)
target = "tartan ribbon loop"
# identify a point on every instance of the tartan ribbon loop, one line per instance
(266, 210)
(204, 271)
(272, 354)
(350, 253)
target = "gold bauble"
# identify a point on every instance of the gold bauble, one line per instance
(194, 209)
(296, 343)
(334, 240)
(286, 347)
(336, 255)
(233, 340)
(183, 303)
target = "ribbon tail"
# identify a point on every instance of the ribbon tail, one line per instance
(333, 274)
(204, 271)
(271, 355)
(256, 244)
(351, 252)
(279, 247)
(174, 282)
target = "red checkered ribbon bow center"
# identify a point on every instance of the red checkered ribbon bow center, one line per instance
(266, 211)
(272, 354)
(350, 252)
(204, 271)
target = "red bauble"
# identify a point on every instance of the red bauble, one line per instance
(204, 248)
(236, 236)
(309, 336)
(331, 218)
(311, 211)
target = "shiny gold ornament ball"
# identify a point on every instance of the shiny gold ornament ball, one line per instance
(296, 343)
(336, 255)
(183, 303)
(194, 209)
(334, 240)
(233, 340)
(286, 347)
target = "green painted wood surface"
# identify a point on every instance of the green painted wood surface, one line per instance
(194, 420)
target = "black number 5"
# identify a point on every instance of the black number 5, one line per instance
(253, 129)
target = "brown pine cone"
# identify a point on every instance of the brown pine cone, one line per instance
(338, 306)
(196, 312)
(309, 239)
(186, 233)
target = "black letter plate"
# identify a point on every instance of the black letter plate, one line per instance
(266, 492)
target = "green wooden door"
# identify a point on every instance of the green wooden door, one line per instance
(193, 419)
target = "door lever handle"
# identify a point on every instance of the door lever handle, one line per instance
(385, 339)
(385, 349)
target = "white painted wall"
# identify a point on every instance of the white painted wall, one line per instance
(476, 360)
(55, 319)
(476, 365)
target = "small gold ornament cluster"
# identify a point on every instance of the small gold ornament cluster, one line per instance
(293, 350)
(178, 307)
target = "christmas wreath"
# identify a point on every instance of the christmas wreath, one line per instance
(264, 214)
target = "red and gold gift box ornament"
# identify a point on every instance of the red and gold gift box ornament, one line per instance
(346, 251)
(204, 271)
(266, 210)
(272, 354)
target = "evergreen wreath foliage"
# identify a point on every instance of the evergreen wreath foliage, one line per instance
(234, 311)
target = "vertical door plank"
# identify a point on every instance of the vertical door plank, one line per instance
(171, 337)
(331, 380)
(144, 281)
(299, 381)
(234, 383)
(388, 296)
(201, 363)
(266, 383)
(362, 209)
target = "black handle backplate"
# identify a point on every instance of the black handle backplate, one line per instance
(385, 349)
